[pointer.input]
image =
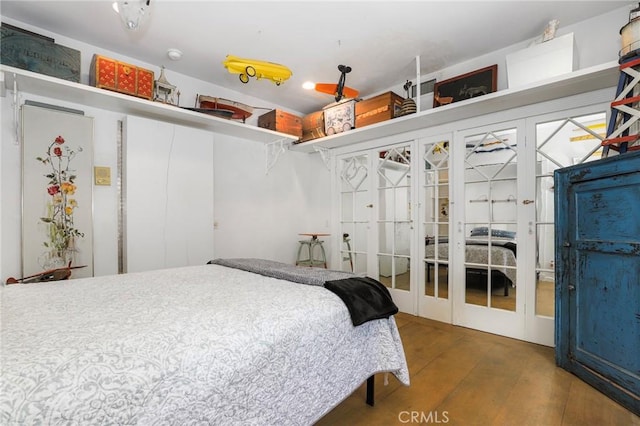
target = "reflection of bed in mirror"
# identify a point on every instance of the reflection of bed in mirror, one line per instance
(501, 246)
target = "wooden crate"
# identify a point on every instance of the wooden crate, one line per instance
(281, 121)
(32, 52)
(313, 126)
(379, 108)
(107, 73)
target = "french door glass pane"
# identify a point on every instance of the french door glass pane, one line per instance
(354, 178)
(490, 219)
(435, 187)
(394, 216)
(559, 143)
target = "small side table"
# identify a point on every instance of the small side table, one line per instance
(311, 245)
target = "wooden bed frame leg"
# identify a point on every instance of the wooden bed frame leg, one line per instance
(370, 390)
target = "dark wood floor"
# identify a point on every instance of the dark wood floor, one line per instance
(466, 377)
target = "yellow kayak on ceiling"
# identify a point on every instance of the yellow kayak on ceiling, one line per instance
(259, 69)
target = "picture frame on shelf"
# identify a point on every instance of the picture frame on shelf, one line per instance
(466, 86)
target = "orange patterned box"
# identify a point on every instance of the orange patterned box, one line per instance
(107, 73)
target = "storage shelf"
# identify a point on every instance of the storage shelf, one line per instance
(51, 87)
(589, 79)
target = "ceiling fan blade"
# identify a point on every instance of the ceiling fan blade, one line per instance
(332, 88)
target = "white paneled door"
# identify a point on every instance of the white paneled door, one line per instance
(168, 195)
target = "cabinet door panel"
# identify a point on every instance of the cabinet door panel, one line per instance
(169, 195)
(598, 292)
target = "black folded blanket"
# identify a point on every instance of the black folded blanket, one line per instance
(365, 298)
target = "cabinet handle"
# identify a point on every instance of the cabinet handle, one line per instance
(525, 202)
(572, 287)
(369, 206)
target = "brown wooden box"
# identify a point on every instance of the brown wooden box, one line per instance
(107, 73)
(281, 121)
(313, 126)
(379, 108)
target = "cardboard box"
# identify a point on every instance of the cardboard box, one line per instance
(379, 108)
(281, 121)
(339, 116)
(107, 73)
(541, 61)
(33, 52)
(313, 126)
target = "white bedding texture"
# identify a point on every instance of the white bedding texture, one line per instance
(203, 344)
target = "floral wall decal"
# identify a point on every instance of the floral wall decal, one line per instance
(62, 233)
(57, 191)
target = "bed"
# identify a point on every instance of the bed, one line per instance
(503, 256)
(206, 344)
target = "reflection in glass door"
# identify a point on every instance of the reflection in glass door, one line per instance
(491, 195)
(559, 143)
(435, 301)
(355, 207)
(395, 227)
(487, 295)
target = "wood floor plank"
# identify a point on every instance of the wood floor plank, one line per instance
(587, 405)
(465, 377)
(540, 394)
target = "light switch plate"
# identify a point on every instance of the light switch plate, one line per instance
(102, 175)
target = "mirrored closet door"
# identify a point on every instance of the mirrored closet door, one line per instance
(376, 223)
(561, 140)
(488, 294)
(433, 248)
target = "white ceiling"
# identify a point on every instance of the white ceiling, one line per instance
(378, 39)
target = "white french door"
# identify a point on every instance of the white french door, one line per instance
(460, 225)
(560, 139)
(490, 187)
(376, 221)
(434, 301)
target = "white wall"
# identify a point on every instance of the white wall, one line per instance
(597, 41)
(259, 215)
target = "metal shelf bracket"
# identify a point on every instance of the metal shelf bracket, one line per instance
(273, 152)
(325, 154)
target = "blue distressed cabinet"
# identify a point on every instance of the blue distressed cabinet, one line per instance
(597, 207)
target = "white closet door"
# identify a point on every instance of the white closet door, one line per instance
(168, 184)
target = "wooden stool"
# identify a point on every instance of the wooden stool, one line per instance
(311, 245)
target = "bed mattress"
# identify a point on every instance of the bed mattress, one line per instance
(201, 344)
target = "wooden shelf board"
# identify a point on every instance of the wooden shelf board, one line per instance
(589, 79)
(82, 94)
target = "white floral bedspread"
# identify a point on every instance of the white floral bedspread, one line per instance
(196, 345)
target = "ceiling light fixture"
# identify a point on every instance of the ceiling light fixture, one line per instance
(174, 54)
(132, 12)
(308, 85)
